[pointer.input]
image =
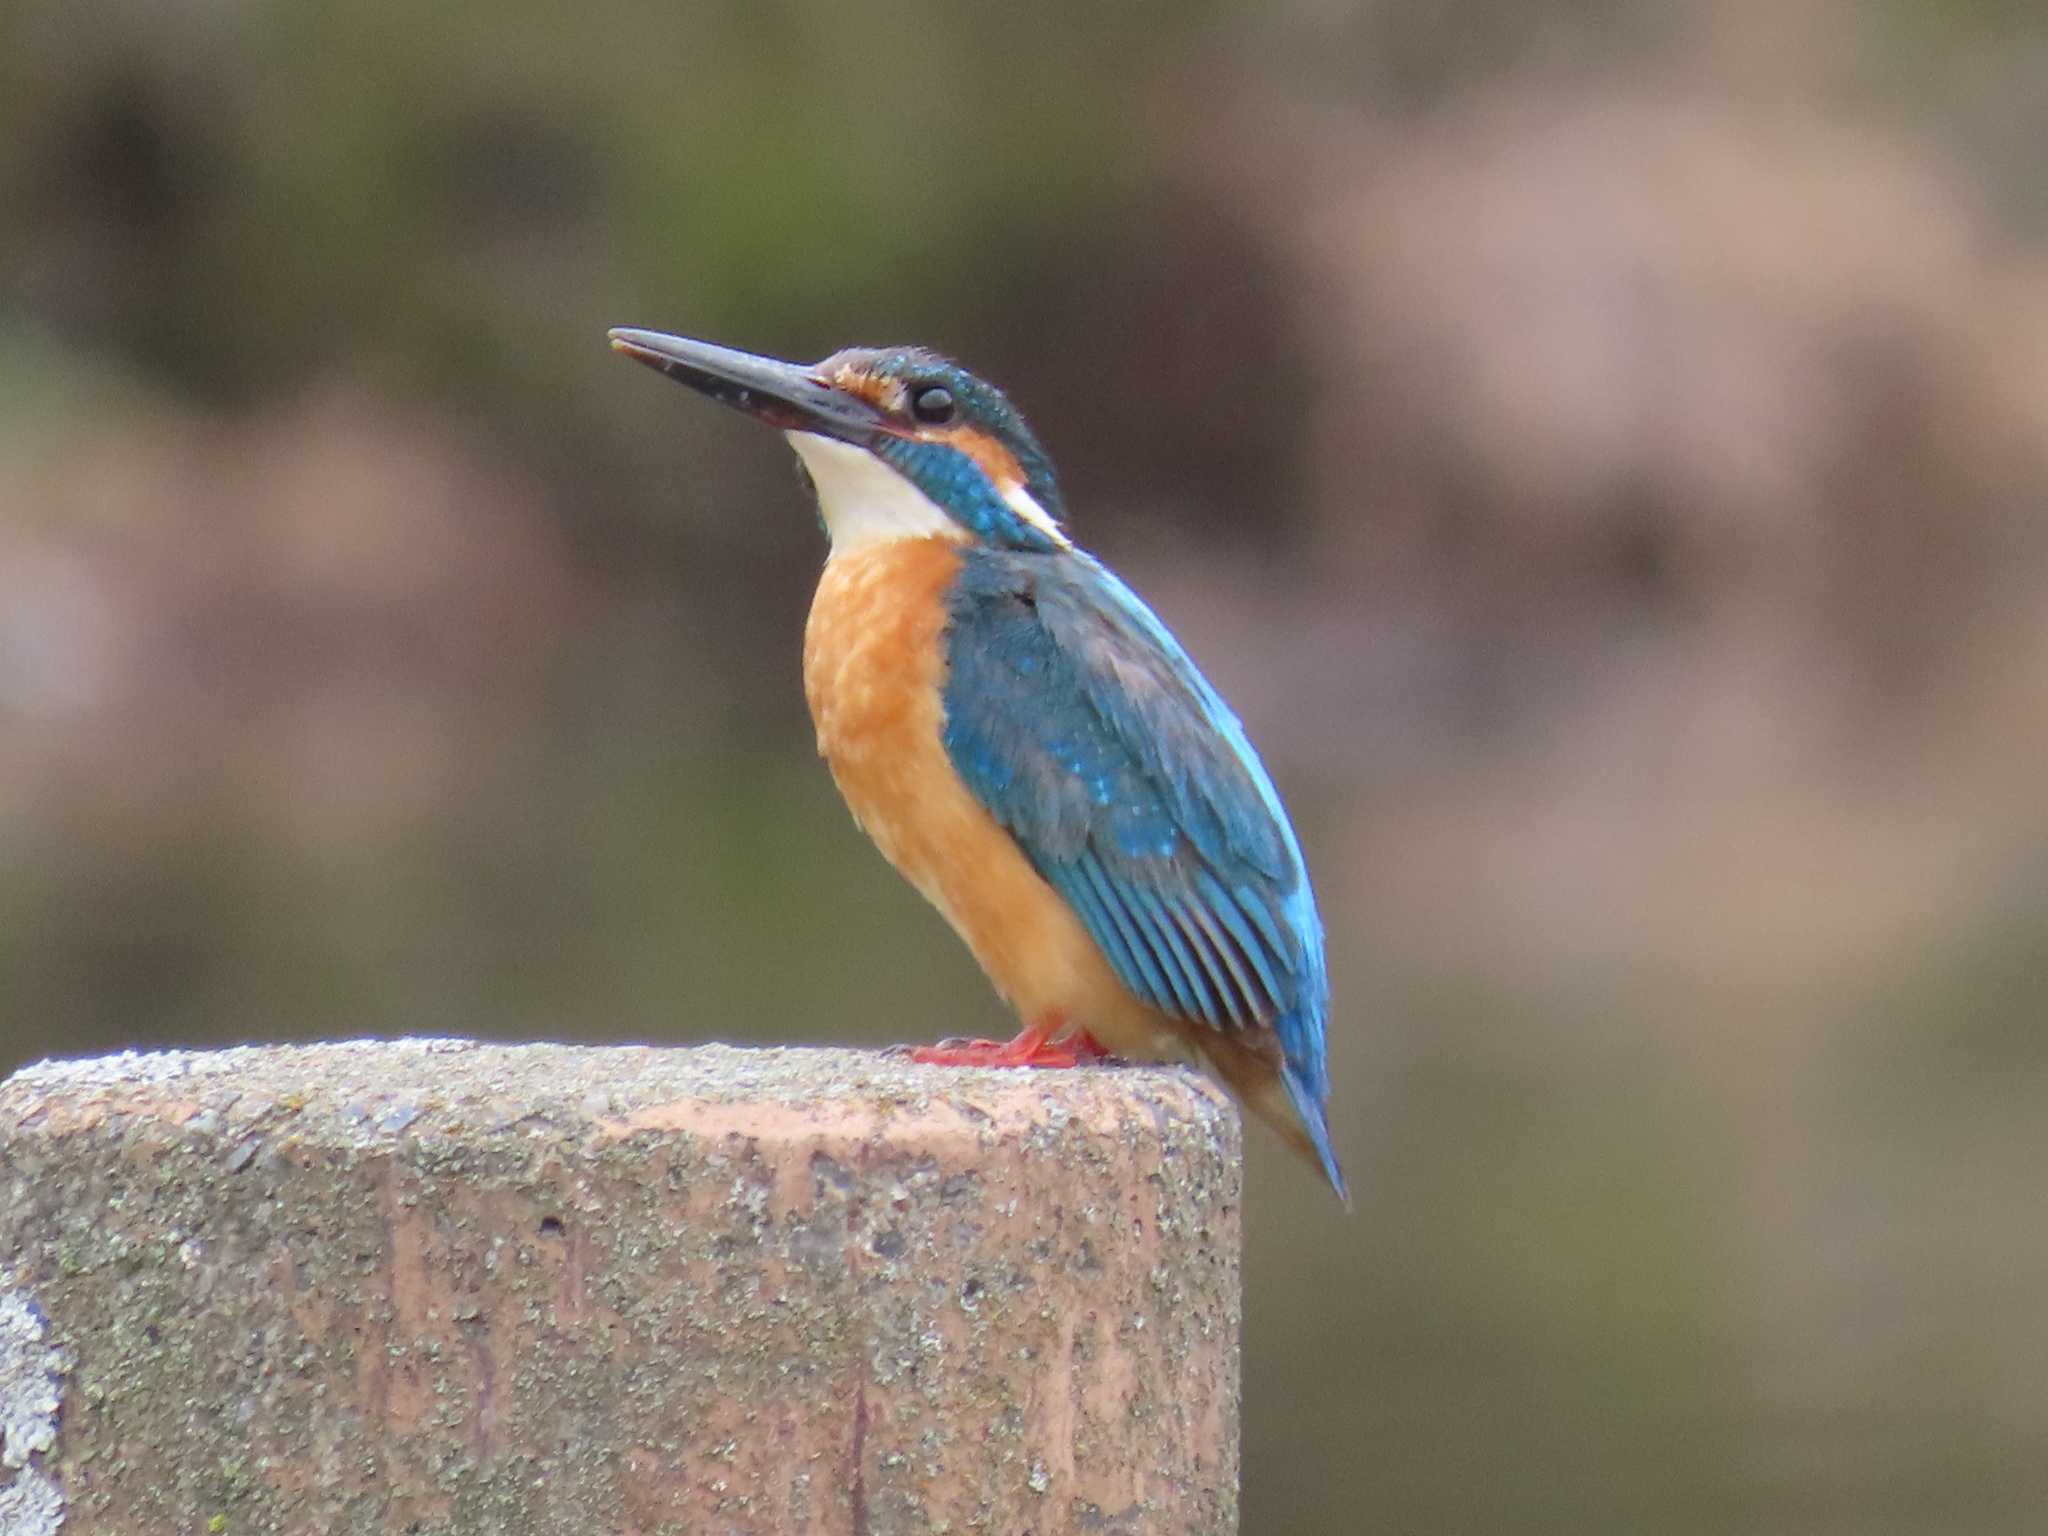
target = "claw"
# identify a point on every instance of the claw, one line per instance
(1034, 1047)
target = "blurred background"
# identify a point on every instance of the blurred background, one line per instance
(1602, 450)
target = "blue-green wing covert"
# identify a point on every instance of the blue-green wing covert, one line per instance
(1078, 720)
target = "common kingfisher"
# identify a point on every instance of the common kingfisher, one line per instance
(1028, 744)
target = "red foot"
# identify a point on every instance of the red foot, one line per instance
(1035, 1047)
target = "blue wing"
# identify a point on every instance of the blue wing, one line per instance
(1085, 729)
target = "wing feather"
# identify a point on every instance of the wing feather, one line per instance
(1083, 727)
(1246, 938)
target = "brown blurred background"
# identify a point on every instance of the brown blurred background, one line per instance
(1601, 449)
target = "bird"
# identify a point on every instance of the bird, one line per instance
(1028, 744)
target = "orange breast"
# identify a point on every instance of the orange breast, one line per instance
(874, 672)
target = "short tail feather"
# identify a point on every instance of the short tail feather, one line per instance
(1287, 1103)
(1311, 1131)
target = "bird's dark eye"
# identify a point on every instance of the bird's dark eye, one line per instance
(932, 405)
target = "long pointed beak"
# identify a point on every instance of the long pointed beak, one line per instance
(787, 396)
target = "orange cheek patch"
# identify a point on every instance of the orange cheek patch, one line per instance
(886, 394)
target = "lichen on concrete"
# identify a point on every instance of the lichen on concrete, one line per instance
(438, 1287)
(31, 1396)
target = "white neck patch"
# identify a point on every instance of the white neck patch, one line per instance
(866, 502)
(863, 501)
(1026, 506)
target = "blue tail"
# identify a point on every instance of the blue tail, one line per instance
(1308, 1108)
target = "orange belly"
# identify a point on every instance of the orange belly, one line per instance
(875, 672)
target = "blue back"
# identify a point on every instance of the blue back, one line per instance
(1082, 725)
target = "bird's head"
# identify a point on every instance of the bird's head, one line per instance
(900, 442)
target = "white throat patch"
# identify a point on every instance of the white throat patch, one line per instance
(863, 501)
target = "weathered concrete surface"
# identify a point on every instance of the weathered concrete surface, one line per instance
(433, 1286)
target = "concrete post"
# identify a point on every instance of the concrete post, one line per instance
(431, 1286)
